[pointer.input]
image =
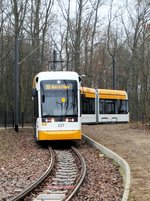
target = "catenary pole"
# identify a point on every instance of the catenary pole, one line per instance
(17, 63)
(114, 72)
(16, 81)
(54, 60)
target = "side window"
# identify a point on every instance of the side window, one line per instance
(122, 106)
(101, 106)
(83, 104)
(92, 105)
(88, 105)
(35, 107)
(109, 107)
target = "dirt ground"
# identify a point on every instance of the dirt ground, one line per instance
(133, 144)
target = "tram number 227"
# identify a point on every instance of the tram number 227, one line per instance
(60, 125)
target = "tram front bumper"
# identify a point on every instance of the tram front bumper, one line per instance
(59, 135)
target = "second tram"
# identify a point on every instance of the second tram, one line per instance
(104, 106)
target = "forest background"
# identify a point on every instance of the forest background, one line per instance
(89, 36)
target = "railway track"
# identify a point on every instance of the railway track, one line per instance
(61, 180)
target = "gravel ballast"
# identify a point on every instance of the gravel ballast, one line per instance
(23, 160)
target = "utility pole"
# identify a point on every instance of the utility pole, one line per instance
(17, 63)
(114, 72)
(16, 81)
(55, 61)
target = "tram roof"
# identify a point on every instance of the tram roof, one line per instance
(88, 92)
(112, 94)
(52, 75)
(104, 93)
(57, 75)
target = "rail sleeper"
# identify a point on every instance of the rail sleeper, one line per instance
(50, 197)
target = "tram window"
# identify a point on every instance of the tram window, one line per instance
(109, 107)
(92, 106)
(35, 107)
(59, 98)
(122, 106)
(101, 106)
(88, 105)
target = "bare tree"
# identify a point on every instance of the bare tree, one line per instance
(95, 7)
(112, 42)
(138, 71)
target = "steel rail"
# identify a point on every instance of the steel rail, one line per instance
(80, 178)
(37, 182)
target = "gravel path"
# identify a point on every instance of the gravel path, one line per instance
(131, 142)
(22, 160)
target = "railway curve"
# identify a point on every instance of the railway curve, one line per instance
(69, 172)
(70, 169)
(101, 181)
(24, 193)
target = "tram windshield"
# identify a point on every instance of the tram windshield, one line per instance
(59, 98)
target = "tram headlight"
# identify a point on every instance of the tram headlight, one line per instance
(49, 120)
(58, 119)
(46, 120)
(69, 120)
(52, 120)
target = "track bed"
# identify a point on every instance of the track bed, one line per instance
(19, 154)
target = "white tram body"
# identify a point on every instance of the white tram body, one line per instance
(104, 106)
(56, 98)
(88, 105)
(112, 106)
